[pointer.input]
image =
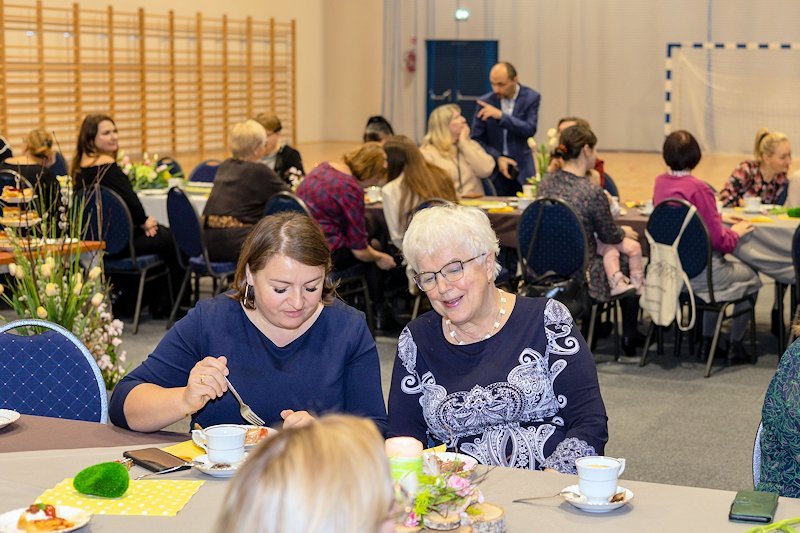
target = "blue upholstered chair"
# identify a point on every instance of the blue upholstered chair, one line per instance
(49, 373)
(188, 235)
(285, 201)
(12, 178)
(205, 171)
(107, 218)
(694, 250)
(611, 186)
(173, 166)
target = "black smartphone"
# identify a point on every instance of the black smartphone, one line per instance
(155, 459)
(754, 506)
(513, 172)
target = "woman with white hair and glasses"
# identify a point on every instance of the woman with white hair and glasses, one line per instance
(242, 188)
(506, 379)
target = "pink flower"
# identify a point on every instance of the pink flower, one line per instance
(412, 520)
(462, 485)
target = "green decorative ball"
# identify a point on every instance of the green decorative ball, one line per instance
(107, 480)
(794, 212)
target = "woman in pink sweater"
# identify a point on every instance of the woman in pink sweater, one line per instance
(732, 278)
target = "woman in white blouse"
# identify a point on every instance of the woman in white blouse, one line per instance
(448, 146)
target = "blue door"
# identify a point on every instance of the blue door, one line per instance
(458, 72)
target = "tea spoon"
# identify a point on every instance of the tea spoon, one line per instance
(618, 497)
(187, 464)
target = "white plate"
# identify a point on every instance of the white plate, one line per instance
(270, 433)
(204, 465)
(19, 222)
(645, 212)
(152, 192)
(17, 199)
(8, 521)
(7, 416)
(469, 462)
(574, 497)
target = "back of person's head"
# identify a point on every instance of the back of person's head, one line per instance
(292, 234)
(246, 138)
(422, 179)
(566, 122)
(39, 143)
(448, 227)
(439, 120)
(572, 140)
(766, 142)
(270, 121)
(367, 161)
(330, 476)
(377, 129)
(86, 139)
(681, 151)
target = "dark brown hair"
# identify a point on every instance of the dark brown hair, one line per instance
(86, 138)
(291, 234)
(681, 151)
(367, 161)
(572, 140)
(421, 179)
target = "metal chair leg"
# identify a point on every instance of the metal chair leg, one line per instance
(178, 300)
(646, 346)
(717, 330)
(592, 320)
(138, 312)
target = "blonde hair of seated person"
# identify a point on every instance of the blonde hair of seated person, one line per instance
(331, 476)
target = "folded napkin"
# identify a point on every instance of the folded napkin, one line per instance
(157, 497)
(506, 209)
(436, 449)
(760, 219)
(185, 450)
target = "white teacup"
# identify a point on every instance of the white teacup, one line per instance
(648, 206)
(224, 443)
(752, 204)
(528, 191)
(597, 476)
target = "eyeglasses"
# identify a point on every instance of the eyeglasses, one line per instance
(450, 272)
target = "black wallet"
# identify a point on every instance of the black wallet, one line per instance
(155, 459)
(754, 506)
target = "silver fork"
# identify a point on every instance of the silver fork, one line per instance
(247, 413)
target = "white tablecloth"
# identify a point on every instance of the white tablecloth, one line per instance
(155, 205)
(768, 249)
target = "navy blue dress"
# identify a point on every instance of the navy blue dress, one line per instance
(332, 367)
(528, 397)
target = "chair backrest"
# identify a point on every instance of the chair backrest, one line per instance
(694, 249)
(184, 224)
(551, 238)
(488, 187)
(173, 166)
(12, 178)
(50, 374)
(757, 455)
(107, 218)
(611, 186)
(285, 201)
(5, 149)
(430, 202)
(205, 171)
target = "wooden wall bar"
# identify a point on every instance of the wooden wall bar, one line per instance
(174, 84)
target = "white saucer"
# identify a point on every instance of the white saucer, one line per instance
(270, 433)
(7, 416)
(429, 467)
(204, 465)
(645, 212)
(573, 496)
(8, 521)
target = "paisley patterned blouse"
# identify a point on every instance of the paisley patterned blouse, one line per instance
(780, 438)
(591, 204)
(746, 179)
(527, 397)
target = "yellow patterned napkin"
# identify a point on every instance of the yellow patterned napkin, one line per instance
(187, 451)
(506, 209)
(161, 497)
(759, 219)
(785, 217)
(436, 449)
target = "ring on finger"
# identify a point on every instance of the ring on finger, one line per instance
(202, 379)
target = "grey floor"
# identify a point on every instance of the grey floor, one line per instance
(672, 425)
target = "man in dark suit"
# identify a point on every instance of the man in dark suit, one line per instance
(505, 118)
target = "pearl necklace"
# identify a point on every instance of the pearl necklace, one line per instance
(498, 319)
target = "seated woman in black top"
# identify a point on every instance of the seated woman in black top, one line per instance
(34, 165)
(95, 162)
(282, 158)
(242, 188)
